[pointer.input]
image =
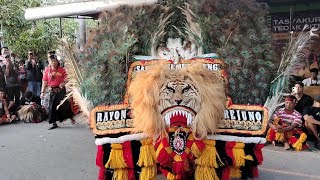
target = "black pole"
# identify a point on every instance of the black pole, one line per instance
(60, 27)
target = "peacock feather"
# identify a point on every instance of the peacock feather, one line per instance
(236, 30)
(293, 54)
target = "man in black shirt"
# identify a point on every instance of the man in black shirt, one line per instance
(304, 100)
(311, 116)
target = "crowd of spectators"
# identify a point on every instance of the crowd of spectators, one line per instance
(31, 91)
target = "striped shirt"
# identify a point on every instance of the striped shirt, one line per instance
(288, 118)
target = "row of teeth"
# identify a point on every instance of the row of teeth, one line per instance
(170, 114)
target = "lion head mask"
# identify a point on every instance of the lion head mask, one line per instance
(191, 97)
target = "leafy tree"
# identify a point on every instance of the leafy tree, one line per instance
(41, 35)
(21, 35)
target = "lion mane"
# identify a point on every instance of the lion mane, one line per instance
(144, 93)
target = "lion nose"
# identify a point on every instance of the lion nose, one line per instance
(178, 101)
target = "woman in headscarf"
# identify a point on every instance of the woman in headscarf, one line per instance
(54, 78)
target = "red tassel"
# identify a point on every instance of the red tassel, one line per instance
(127, 154)
(99, 157)
(226, 173)
(228, 148)
(101, 175)
(255, 172)
(258, 153)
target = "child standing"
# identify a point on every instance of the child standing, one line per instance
(22, 75)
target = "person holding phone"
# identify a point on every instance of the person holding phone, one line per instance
(34, 68)
(4, 53)
(11, 73)
(304, 100)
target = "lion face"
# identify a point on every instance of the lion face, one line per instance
(191, 97)
(179, 101)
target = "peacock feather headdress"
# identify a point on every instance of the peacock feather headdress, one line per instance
(236, 30)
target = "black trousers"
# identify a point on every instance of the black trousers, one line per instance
(63, 112)
(14, 94)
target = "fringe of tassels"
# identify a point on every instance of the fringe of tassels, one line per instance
(211, 163)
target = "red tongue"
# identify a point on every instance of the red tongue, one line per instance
(178, 120)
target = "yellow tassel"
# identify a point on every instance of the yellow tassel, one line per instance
(239, 155)
(209, 155)
(195, 150)
(205, 173)
(280, 137)
(147, 160)
(170, 176)
(147, 153)
(298, 144)
(116, 159)
(148, 173)
(207, 162)
(235, 172)
(120, 174)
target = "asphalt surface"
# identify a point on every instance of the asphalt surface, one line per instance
(31, 152)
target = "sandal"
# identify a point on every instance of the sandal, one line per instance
(286, 146)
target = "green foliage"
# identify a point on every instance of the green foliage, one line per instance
(37, 39)
(21, 35)
(41, 35)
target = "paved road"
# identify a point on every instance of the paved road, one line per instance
(31, 152)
